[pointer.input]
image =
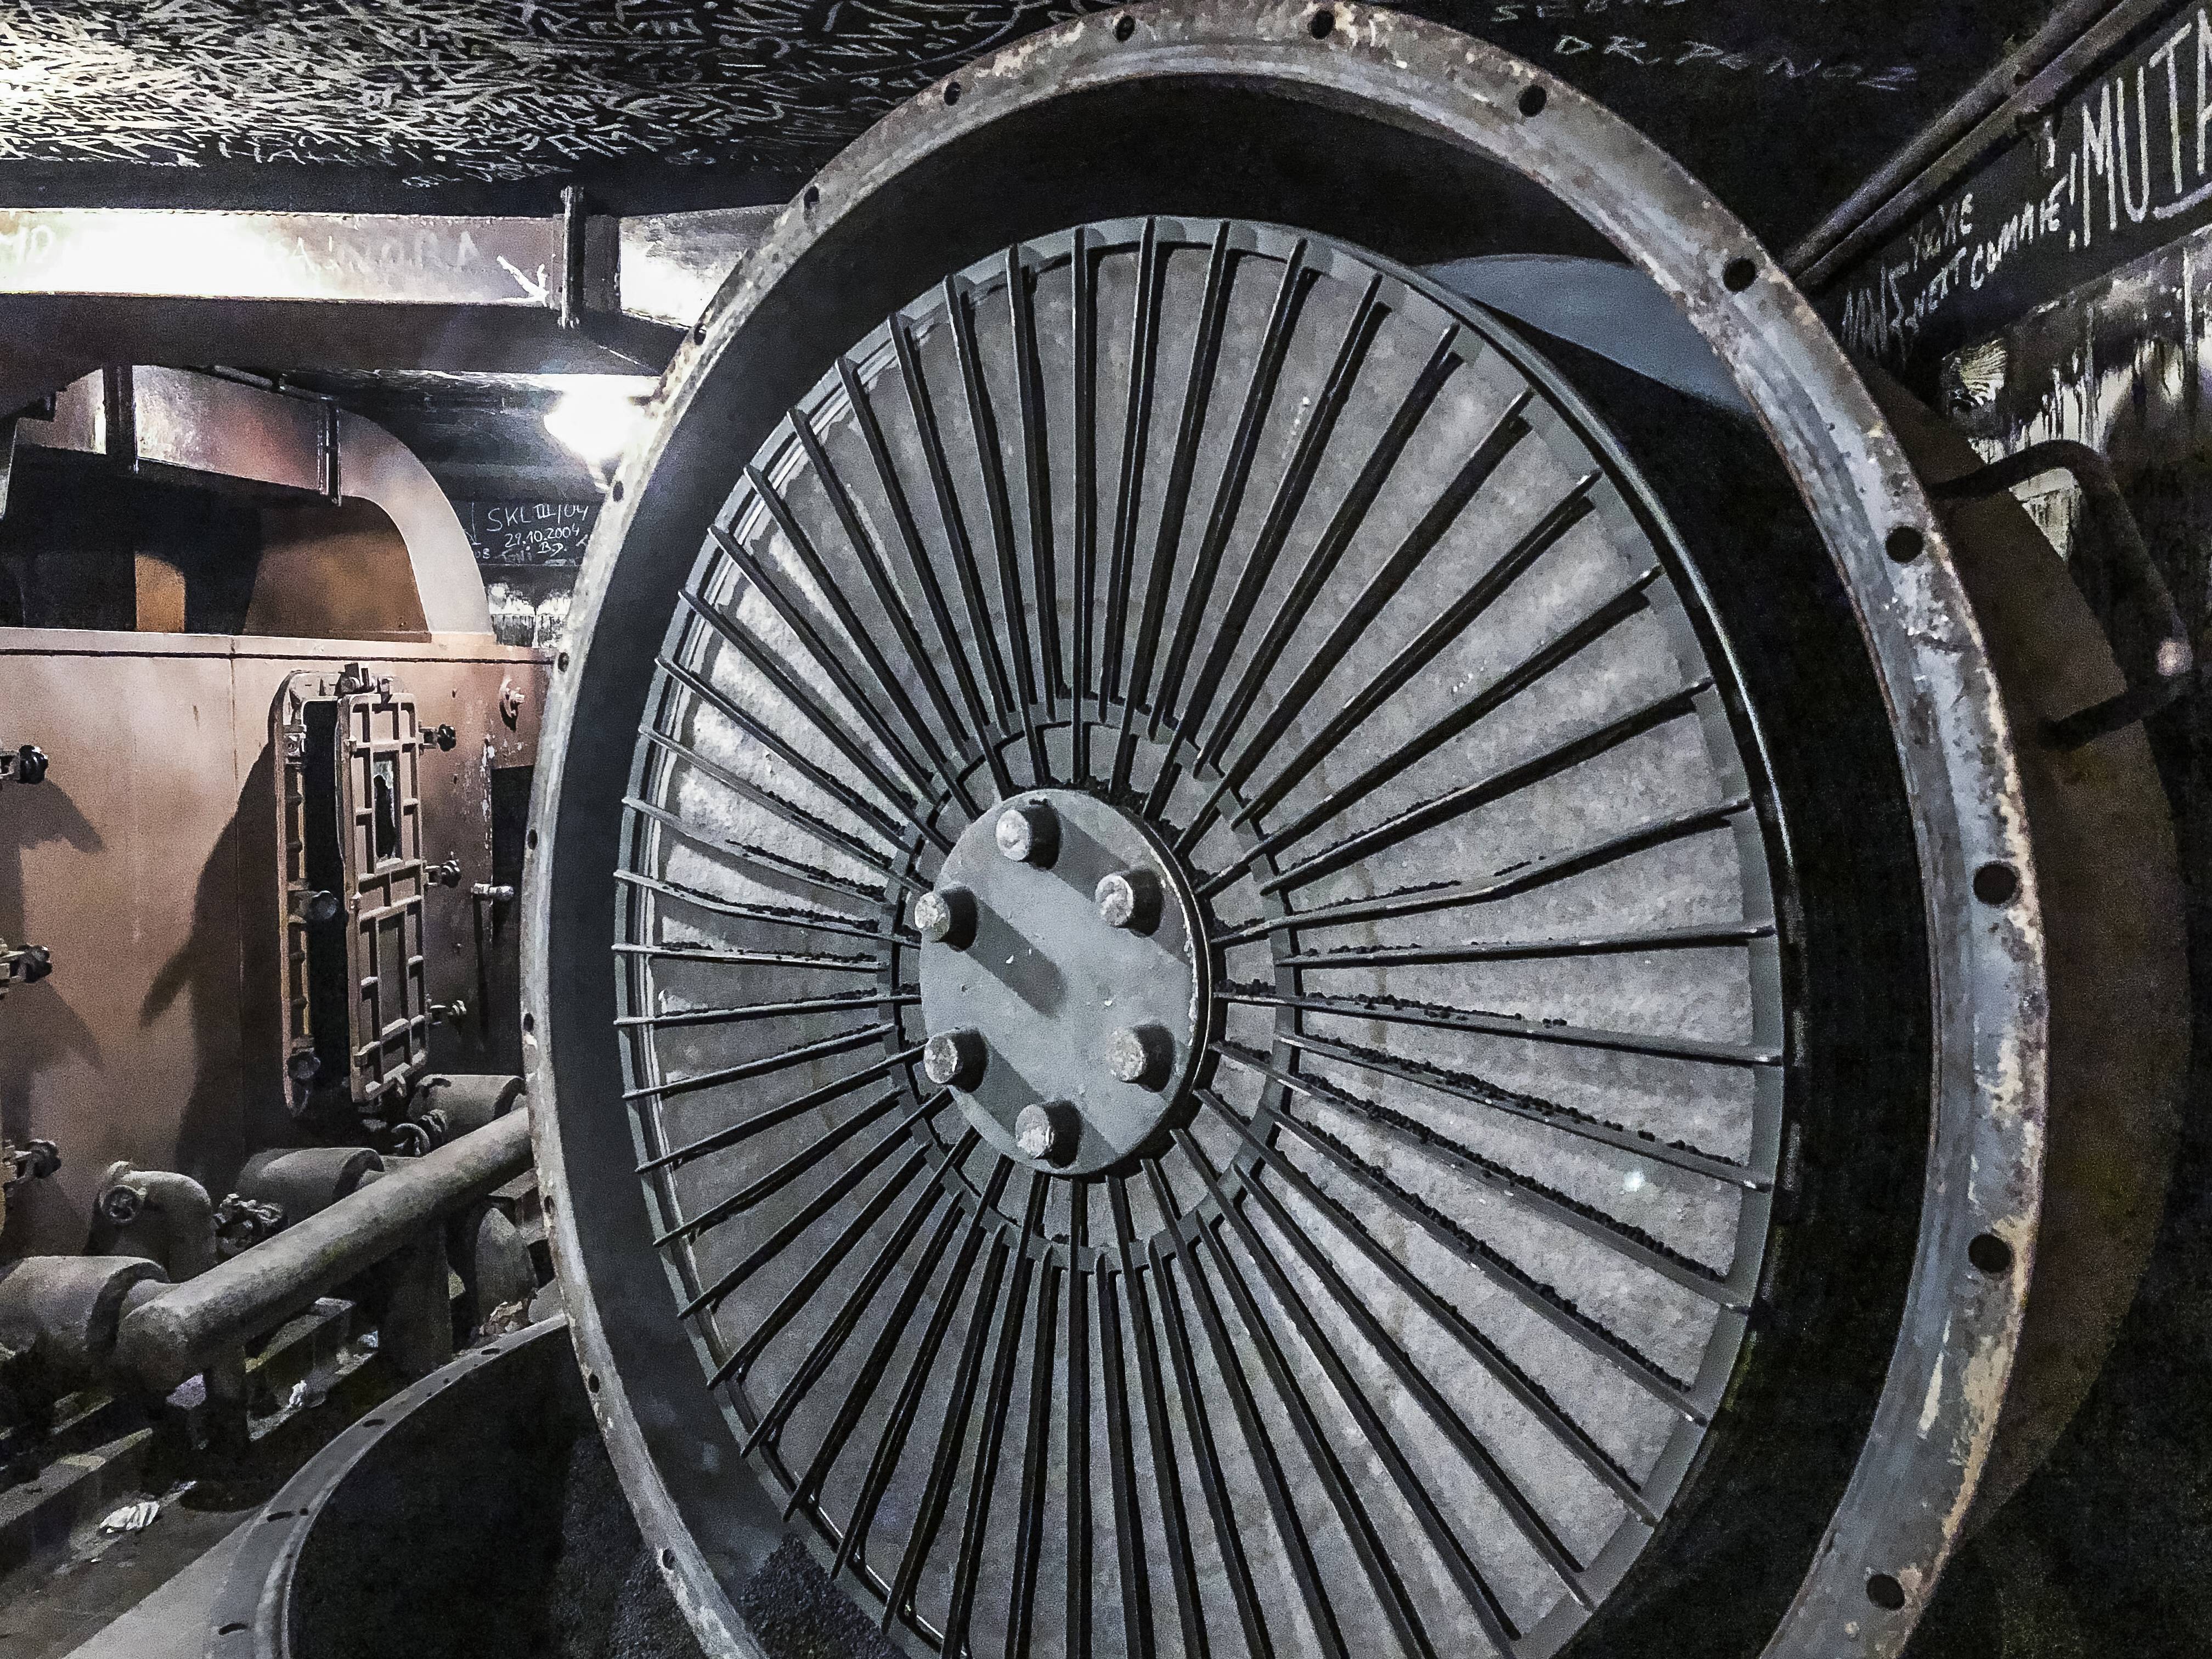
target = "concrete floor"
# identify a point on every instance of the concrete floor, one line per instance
(172, 1622)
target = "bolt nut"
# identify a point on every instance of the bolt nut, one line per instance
(946, 916)
(955, 1059)
(1130, 899)
(1048, 1131)
(120, 1205)
(1029, 833)
(1140, 1054)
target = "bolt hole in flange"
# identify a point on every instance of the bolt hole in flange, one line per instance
(1996, 884)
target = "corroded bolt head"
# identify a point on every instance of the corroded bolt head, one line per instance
(1129, 898)
(121, 1204)
(1028, 832)
(946, 916)
(955, 1059)
(1048, 1131)
(1139, 1053)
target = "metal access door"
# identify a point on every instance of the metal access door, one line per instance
(351, 815)
(381, 823)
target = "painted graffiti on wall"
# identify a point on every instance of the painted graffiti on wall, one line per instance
(493, 90)
(551, 534)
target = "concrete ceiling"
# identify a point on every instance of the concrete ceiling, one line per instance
(1784, 106)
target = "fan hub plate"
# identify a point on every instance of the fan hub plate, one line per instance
(1049, 982)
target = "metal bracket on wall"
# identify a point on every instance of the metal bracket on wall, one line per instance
(28, 963)
(2116, 574)
(27, 763)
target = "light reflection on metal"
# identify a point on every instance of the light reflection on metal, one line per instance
(672, 264)
(661, 267)
(406, 258)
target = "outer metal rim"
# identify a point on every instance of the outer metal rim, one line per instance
(1939, 1407)
(251, 1618)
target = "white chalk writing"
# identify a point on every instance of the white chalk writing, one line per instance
(529, 532)
(2132, 149)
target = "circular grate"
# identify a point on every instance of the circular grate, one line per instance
(1407, 1121)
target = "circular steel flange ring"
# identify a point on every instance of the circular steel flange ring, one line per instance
(1939, 1404)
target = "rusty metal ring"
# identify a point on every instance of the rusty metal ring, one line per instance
(1938, 1409)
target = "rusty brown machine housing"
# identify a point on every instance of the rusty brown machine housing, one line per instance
(152, 863)
(270, 879)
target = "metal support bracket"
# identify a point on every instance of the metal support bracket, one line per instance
(2116, 574)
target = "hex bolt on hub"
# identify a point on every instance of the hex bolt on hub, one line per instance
(1131, 899)
(946, 916)
(956, 1059)
(1140, 1054)
(1028, 832)
(1048, 1131)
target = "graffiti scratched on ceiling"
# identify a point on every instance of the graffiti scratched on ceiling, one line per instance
(488, 89)
(1782, 106)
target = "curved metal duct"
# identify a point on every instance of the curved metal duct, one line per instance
(199, 427)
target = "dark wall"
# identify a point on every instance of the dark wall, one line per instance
(2108, 1547)
(72, 533)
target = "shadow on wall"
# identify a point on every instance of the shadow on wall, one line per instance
(39, 1031)
(226, 972)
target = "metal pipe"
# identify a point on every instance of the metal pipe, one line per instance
(186, 1217)
(2004, 103)
(171, 1335)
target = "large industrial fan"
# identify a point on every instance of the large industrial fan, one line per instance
(1226, 958)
